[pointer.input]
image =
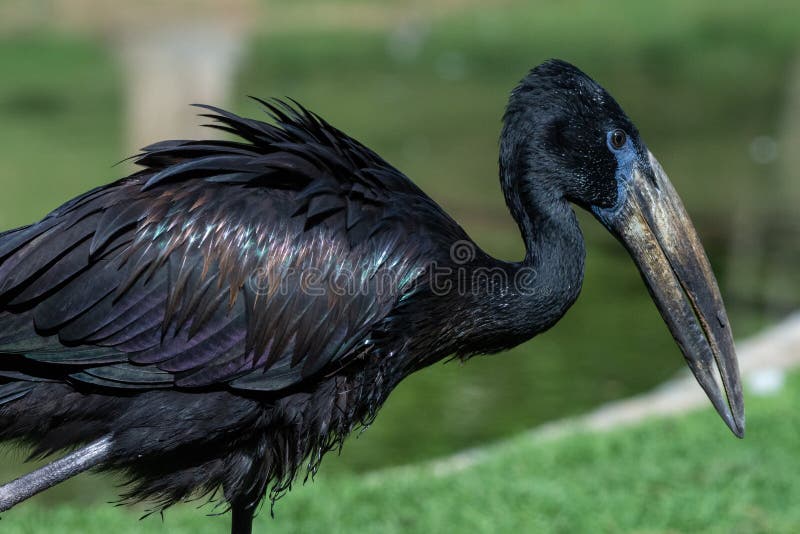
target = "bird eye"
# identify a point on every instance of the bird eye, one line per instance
(618, 139)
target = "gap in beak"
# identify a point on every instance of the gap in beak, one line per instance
(716, 372)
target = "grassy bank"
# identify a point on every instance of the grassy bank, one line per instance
(672, 475)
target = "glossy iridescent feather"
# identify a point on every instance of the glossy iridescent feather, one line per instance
(189, 273)
(233, 311)
(192, 276)
(169, 310)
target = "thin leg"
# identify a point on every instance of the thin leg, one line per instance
(60, 470)
(242, 520)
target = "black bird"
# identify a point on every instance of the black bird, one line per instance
(228, 314)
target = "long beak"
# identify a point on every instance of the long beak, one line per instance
(654, 227)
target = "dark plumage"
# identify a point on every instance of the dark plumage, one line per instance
(235, 309)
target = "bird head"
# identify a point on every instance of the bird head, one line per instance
(565, 137)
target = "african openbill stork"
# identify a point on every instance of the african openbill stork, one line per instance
(235, 309)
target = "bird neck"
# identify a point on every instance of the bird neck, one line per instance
(554, 255)
(538, 290)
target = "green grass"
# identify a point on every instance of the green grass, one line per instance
(686, 474)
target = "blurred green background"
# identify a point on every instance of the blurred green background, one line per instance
(713, 88)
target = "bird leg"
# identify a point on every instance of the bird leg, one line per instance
(242, 519)
(51, 474)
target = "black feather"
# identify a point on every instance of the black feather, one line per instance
(171, 309)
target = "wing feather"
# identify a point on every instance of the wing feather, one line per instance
(193, 271)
